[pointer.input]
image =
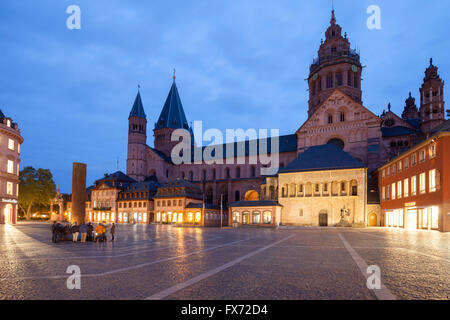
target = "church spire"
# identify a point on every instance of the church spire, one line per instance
(333, 18)
(138, 107)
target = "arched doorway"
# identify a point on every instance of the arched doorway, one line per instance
(251, 195)
(337, 142)
(323, 219)
(373, 219)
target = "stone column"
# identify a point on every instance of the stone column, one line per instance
(78, 192)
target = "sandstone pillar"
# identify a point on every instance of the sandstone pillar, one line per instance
(78, 192)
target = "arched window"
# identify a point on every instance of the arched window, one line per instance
(330, 118)
(237, 195)
(256, 217)
(337, 142)
(342, 116)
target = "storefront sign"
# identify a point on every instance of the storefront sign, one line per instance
(9, 200)
(410, 204)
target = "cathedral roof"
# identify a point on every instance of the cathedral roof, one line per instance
(324, 157)
(172, 114)
(138, 108)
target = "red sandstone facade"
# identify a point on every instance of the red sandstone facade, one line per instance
(415, 186)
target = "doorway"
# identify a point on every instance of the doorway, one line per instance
(412, 220)
(323, 219)
(372, 219)
(246, 218)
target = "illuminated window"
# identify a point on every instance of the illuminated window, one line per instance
(267, 217)
(9, 188)
(180, 218)
(406, 188)
(434, 217)
(10, 168)
(10, 144)
(406, 163)
(414, 159)
(8, 123)
(425, 219)
(422, 155)
(190, 217)
(393, 191)
(413, 185)
(432, 178)
(388, 192)
(256, 217)
(432, 150)
(422, 183)
(236, 217)
(383, 173)
(383, 193)
(198, 217)
(399, 189)
(399, 166)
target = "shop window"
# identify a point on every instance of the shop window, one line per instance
(256, 217)
(267, 217)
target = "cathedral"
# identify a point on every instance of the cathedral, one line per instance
(336, 116)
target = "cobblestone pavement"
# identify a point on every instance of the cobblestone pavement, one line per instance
(166, 262)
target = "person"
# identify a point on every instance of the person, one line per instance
(83, 231)
(100, 230)
(113, 231)
(54, 227)
(75, 231)
(90, 230)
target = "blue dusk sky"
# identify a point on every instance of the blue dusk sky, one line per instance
(240, 64)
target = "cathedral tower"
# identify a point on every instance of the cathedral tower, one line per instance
(137, 141)
(337, 66)
(172, 117)
(410, 111)
(432, 109)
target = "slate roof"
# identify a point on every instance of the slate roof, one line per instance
(111, 179)
(324, 157)
(179, 188)
(414, 122)
(443, 127)
(193, 205)
(259, 203)
(172, 114)
(396, 131)
(138, 108)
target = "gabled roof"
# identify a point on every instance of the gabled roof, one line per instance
(138, 108)
(324, 157)
(330, 97)
(115, 180)
(172, 114)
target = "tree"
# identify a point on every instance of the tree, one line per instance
(36, 189)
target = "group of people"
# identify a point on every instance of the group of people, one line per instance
(86, 231)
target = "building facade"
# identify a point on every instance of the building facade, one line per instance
(415, 186)
(324, 186)
(10, 142)
(336, 115)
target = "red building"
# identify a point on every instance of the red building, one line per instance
(415, 186)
